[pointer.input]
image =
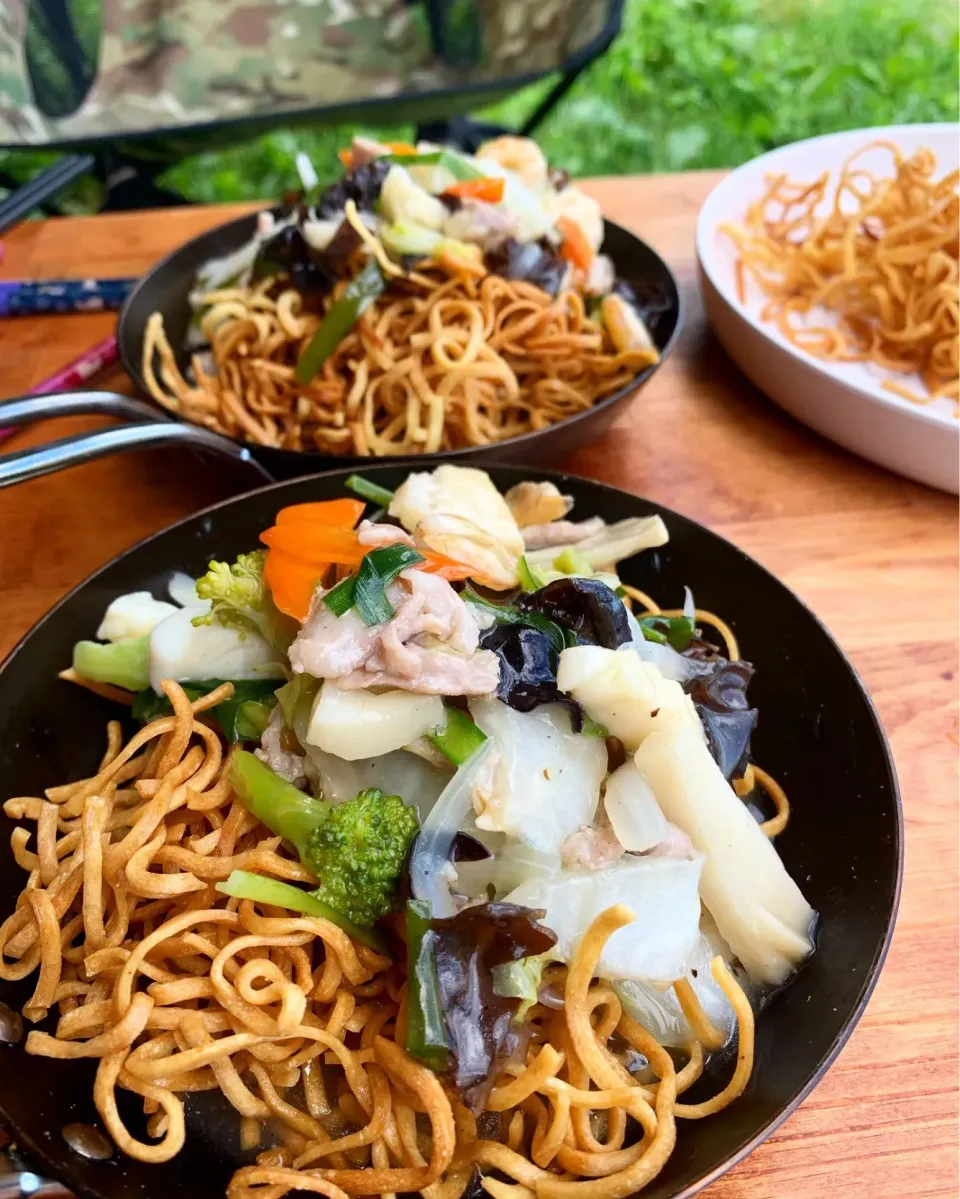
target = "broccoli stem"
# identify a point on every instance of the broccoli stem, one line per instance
(278, 804)
(243, 884)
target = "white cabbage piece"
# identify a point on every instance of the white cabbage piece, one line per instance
(632, 809)
(662, 893)
(542, 780)
(182, 589)
(758, 908)
(670, 663)
(456, 510)
(611, 544)
(628, 696)
(401, 199)
(133, 615)
(181, 651)
(365, 724)
(658, 1009)
(415, 780)
(513, 864)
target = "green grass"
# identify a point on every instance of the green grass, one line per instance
(688, 84)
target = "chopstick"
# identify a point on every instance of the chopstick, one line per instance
(20, 203)
(97, 358)
(31, 297)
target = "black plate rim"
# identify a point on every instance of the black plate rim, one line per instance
(130, 360)
(559, 477)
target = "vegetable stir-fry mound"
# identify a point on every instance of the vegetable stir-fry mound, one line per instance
(427, 300)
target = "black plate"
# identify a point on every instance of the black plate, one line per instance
(818, 734)
(166, 286)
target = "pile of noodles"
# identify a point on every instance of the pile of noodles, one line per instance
(883, 257)
(448, 356)
(173, 989)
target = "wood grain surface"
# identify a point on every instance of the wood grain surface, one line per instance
(874, 555)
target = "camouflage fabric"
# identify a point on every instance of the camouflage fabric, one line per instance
(169, 64)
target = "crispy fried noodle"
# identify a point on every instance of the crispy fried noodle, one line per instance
(878, 252)
(443, 359)
(175, 989)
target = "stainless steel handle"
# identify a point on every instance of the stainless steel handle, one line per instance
(27, 409)
(42, 460)
(25, 1185)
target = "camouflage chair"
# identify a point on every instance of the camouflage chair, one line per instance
(169, 77)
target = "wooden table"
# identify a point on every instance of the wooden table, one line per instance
(874, 555)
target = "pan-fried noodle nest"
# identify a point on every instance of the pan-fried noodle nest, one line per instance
(882, 256)
(445, 358)
(174, 989)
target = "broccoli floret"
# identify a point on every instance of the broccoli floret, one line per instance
(357, 849)
(239, 599)
(358, 854)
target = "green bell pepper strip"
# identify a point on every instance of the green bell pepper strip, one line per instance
(459, 738)
(244, 884)
(368, 490)
(241, 717)
(678, 631)
(527, 576)
(505, 614)
(460, 167)
(367, 589)
(426, 1026)
(357, 297)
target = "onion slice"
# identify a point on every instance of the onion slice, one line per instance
(431, 852)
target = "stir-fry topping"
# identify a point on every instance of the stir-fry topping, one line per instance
(449, 694)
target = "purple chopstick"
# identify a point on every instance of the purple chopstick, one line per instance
(78, 372)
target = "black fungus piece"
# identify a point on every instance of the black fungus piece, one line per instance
(533, 262)
(528, 670)
(587, 607)
(361, 185)
(650, 301)
(479, 1022)
(289, 255)
(719, 693)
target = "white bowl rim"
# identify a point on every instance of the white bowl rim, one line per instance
(706, 226)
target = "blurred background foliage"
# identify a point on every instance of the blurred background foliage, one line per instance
(688, 84)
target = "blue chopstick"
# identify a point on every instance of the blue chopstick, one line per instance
(31, 297)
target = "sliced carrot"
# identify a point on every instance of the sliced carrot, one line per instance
(292, 582)
(400, 147)
(315, 543)
(574, 248)
(336, 514)
(488, 189)
(446, 568)
(346, 157)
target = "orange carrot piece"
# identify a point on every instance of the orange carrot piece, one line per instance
(346, 157)
(575, 248)
(335, 514)
(400, 147)
(446, 568)
(292, 582)
(315, 543)
(489, 189)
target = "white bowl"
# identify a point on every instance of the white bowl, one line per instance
(845, 401)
